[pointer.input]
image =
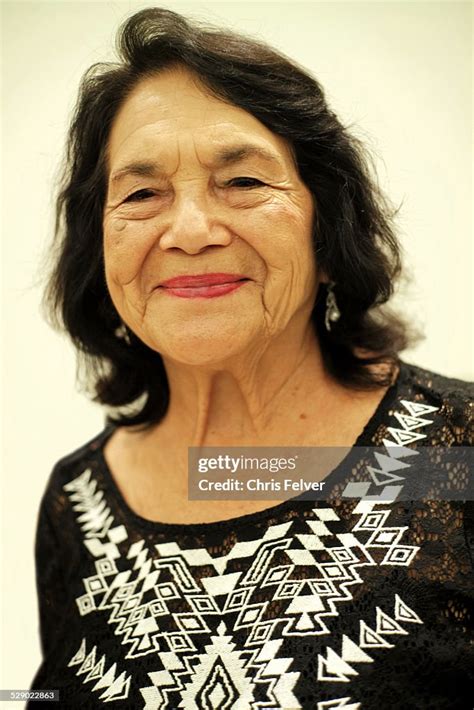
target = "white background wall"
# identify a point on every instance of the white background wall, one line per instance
(399, 71)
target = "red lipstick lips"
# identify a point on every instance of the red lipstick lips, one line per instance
(203, 285)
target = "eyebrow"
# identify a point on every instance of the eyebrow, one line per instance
(235, 154)
(140, 169)
(225, 156)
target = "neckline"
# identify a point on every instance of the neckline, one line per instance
(364, 439)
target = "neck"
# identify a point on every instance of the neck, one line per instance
(246, 399)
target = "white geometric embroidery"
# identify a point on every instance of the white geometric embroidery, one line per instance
(415, 408)
(338, 668)
(307, 576)
(369, 638)
(114, 688)
(338, 704)
(382, 537)
(395, 450)
(96, 518)
(404, 613)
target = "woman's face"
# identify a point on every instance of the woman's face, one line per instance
(197, 187)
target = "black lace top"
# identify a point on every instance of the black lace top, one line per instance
(308, 604)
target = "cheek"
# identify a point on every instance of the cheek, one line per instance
(126, 244)
(282, 234)
(285, 244)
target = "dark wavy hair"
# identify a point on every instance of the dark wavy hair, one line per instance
(354, 238)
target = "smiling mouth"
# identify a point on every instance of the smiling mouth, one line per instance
(206, 285)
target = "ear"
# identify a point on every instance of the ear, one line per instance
(323, 278)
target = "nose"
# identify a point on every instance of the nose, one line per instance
(194, 224)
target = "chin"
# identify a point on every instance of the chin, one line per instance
(202, 346)
(203, 354)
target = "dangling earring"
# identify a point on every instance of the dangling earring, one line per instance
(332, 311)
(122, 333)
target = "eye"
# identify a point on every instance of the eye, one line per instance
(139, 196)
(244, 182)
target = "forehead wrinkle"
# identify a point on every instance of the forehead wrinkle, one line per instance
(139, 169)
(223, 156)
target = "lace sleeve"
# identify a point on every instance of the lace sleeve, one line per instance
(50, 583)
(469, 529)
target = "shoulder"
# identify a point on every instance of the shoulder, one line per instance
(450, 398)
(68, 469)
(437, 387)
(437, 383)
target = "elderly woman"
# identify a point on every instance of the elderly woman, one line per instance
(222, 255)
